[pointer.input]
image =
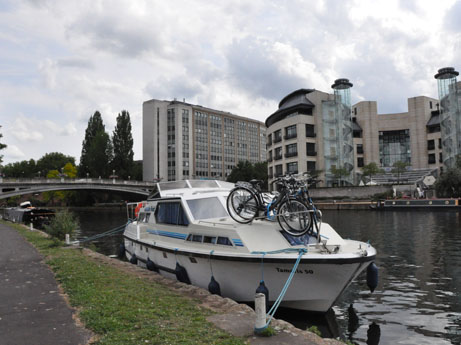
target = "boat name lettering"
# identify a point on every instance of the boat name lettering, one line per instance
(288, 270)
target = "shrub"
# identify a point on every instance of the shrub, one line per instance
(314, 329)
(64, 222)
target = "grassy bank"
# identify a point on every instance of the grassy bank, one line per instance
(123, 309)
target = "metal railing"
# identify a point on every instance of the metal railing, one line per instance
(35, 181)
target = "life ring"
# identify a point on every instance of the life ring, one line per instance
(136, 210)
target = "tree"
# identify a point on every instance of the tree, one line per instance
(245, 171)
(122, 141)
(99, 155)
(449, 184)
(398, 168)
(371, 169)
(339, 173)
(2, 146)
(136, 171)
(70, 170)
(53, 161)
(95, 126)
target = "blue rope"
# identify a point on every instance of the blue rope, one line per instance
(279, 299)
(211, 267)
(107, 233)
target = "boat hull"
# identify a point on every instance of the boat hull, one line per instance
(316, 285)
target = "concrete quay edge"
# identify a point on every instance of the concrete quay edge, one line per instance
(235, 318)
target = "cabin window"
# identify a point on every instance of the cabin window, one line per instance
(209, 239)
(224, 241)
(170, 213)
(206, 208)
(197, 238)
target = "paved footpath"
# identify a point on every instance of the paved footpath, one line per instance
(32, 312)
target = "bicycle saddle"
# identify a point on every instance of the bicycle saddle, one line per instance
(255, 182)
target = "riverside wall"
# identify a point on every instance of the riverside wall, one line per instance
(349, 192)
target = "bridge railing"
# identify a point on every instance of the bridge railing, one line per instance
(8, 180)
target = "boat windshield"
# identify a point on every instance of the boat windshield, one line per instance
(206, 208)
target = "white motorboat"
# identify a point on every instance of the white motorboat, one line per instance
(184, 232)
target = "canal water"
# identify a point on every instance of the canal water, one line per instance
(418, 299)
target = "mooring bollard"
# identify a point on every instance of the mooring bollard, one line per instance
(260, 310)
(67, 239)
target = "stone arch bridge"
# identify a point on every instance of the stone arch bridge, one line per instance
(19, 186)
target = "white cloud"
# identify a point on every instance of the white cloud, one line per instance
(61, 130)
(13, 153)
(62, 60)
(24, 130)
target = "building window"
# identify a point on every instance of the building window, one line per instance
(278, 136)
(278, 170)
(440, 157)
(310, 149)
(271, 175)
(357, 134)
(292, 168)
(359, 149)
(310, 132)
(431, 145)
(269, 139)
(360, 162)
(278, 153)
(394, 146)
(290, 132)
(440, 143)
(291, 150)
(269, 156)
(430, 104)
(310, 167)
(431, 158)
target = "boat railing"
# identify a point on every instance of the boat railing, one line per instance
(214, 223)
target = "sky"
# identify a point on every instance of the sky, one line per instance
(60, 61)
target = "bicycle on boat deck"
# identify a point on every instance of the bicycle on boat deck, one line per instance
(246, 202)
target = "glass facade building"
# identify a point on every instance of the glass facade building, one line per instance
(450, 122)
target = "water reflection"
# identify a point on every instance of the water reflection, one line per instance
(418, 297)
(98, 220)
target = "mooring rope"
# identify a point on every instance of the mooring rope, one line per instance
(110, 232)
(279, 299)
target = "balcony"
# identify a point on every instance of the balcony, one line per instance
(269, 159)
(311, 135)
(277, 139)
(277, 157)
(290, 136)
(311, 153)
(291, 154)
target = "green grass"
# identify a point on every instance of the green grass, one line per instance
(122, 309)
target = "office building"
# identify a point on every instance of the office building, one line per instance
(182, 141)
(317, 132)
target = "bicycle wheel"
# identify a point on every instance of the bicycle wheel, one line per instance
(294, 217)
(242, 205)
